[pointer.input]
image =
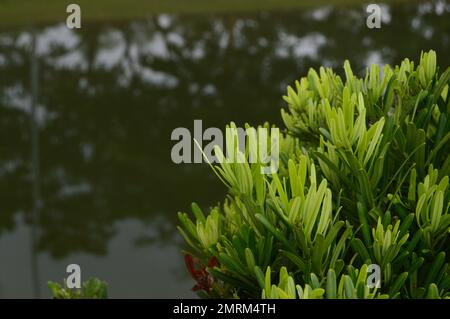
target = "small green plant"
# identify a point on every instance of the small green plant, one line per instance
(91, 289)
(363, 179)
(350, 286)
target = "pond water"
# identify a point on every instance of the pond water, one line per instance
(92, 181)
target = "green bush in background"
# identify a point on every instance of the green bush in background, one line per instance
(363, 179)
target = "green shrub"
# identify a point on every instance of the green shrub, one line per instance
(363, 179)
(91, 289)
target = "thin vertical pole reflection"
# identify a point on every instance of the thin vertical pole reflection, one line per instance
(34, 167)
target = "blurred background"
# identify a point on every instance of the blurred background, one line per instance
(86, 116)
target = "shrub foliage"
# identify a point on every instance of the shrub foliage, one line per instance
(363, 179)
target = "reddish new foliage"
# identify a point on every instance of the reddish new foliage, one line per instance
(199, 273)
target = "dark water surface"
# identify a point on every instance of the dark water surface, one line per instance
(93, 183)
